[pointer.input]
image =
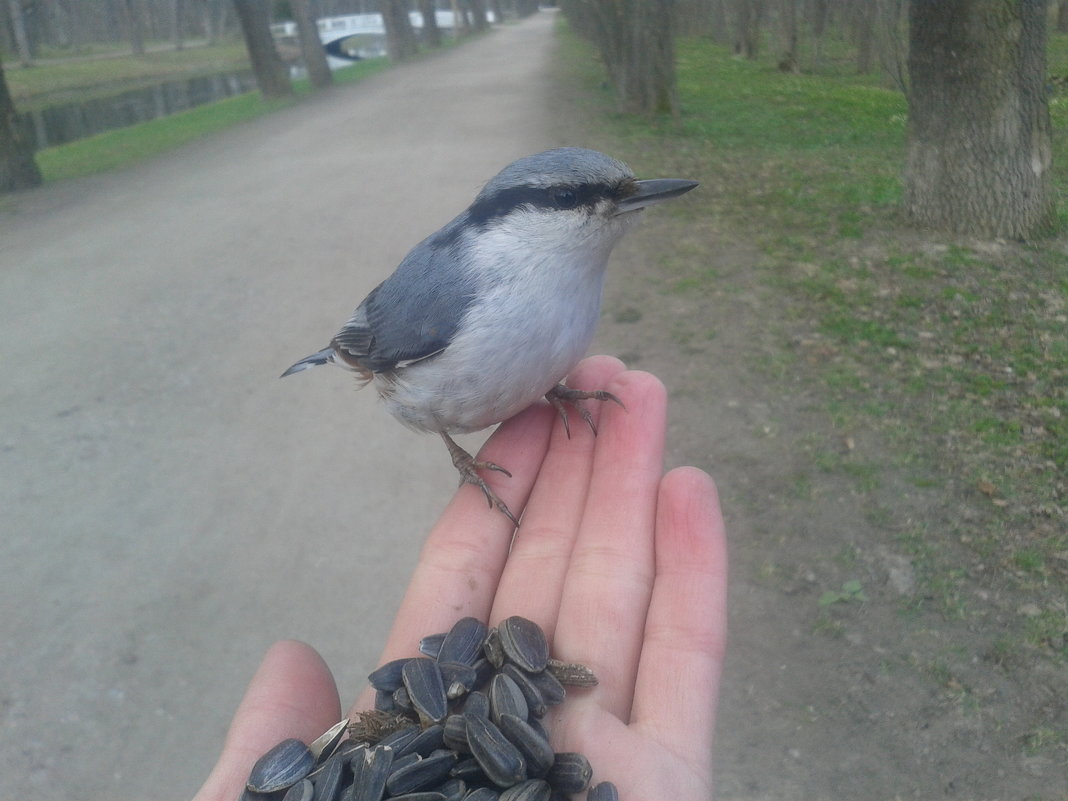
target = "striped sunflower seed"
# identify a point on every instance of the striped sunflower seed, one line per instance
(464, 641)
(524, 643)
(281, 767)
(426, 689)
(500, 760)
(570, 773)
(605, 791)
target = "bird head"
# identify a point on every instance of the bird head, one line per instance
(568, 197)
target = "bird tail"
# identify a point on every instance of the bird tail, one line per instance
(322, 357)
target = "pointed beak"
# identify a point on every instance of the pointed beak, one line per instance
(654, 191)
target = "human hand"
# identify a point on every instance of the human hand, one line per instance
(622, 566)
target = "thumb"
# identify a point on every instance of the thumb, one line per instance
(292, 695)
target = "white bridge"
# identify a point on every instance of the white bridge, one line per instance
(352, 37)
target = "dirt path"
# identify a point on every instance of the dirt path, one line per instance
(158, 502)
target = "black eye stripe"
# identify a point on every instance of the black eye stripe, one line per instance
(554, 197)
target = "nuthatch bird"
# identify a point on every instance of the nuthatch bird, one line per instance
(489, 314)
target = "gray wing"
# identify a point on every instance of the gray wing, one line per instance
(414, 313)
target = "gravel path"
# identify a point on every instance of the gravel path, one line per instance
(171, 508)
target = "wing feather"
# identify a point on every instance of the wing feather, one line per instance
(412, 315)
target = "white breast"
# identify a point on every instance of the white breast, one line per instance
(536, 313)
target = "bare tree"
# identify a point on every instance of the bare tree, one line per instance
(271, 75)
(818, 20)
(720, 28)
(748, 15)
(788, 61)
(400, 38)
(58, 17)
(431, 31)
(311, 47)
(18, 170)
(892, 41)
(18, 30)
(459, 19)
(862, 21)
(134, 26)
(178, 29)
(695, 17)
(637, 45)
(979, 152)
(478, 14)
(498, 11)
(213, 13)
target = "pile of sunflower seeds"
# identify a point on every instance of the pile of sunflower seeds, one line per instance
(462, 723)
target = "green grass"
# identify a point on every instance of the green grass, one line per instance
(113, 149)
(124, 146)
(954, 351)
(69, 80)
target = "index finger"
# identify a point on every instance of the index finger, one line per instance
(465, 552)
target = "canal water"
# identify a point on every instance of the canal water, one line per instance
(57, 125)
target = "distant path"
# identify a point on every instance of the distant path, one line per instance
(170, 507)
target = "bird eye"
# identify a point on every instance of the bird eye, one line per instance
(565, 199)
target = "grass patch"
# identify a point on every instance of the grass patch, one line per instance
(952, 350)
(114, 149)
(71, 80)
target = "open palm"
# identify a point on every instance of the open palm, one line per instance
(622, 566)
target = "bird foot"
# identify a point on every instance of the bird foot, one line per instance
(560, 395)
(469, 466)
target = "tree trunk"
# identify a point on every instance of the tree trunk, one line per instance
(720, 29)
(864, 16)
(979, 152)
(134, 30)
(214, 16)
(271, 75)
(478, 15)
(178, 29)
(788, 61)
(747, 19)
(1062, 16)
(311, 47)
(18, 170)
(637, 45)
(400, 38)
(18, 28)
(891, 43)
(652, 59)
(818, 13)
(459, 19)
(59, 23)
(431, 31)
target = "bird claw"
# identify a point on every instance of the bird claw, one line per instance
(561, 394)
(468, 466)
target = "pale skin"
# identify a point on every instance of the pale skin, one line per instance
(623, 566)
